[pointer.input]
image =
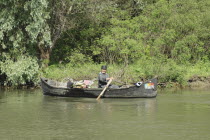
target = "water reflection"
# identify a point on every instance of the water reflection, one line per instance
(112, 109)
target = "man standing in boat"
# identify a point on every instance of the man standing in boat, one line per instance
(103, 77)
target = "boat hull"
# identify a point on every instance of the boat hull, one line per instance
(129, 92)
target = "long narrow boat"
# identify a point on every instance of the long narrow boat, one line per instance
(146, 89)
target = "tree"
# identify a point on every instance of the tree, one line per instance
(22, 28)
(177, 29)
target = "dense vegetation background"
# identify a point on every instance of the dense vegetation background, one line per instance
(137, 39)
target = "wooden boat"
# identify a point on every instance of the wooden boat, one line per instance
(146, 89)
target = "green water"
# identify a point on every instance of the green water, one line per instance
(27, 114)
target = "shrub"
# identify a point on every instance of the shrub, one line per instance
(24, 69)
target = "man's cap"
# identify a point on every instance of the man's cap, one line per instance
(103, 67)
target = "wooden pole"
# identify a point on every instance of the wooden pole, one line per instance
(104, 89)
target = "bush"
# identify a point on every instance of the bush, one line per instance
(24, 69)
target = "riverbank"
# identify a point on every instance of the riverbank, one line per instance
(169, 74)
(199, 82)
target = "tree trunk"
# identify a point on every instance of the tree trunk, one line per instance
(44, 54)
(59, 16)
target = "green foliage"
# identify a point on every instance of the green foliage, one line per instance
(121, 43)
(176, 29)
(23, 28)
(171, 72)
(75, 46)
(78, 58)
(87, 71)
(24, 25)
(23, 69)
(200, 68)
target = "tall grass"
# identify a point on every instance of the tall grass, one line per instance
(167, 71)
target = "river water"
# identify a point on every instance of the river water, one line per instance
(181, 115)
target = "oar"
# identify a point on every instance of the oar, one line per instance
(104, 89)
